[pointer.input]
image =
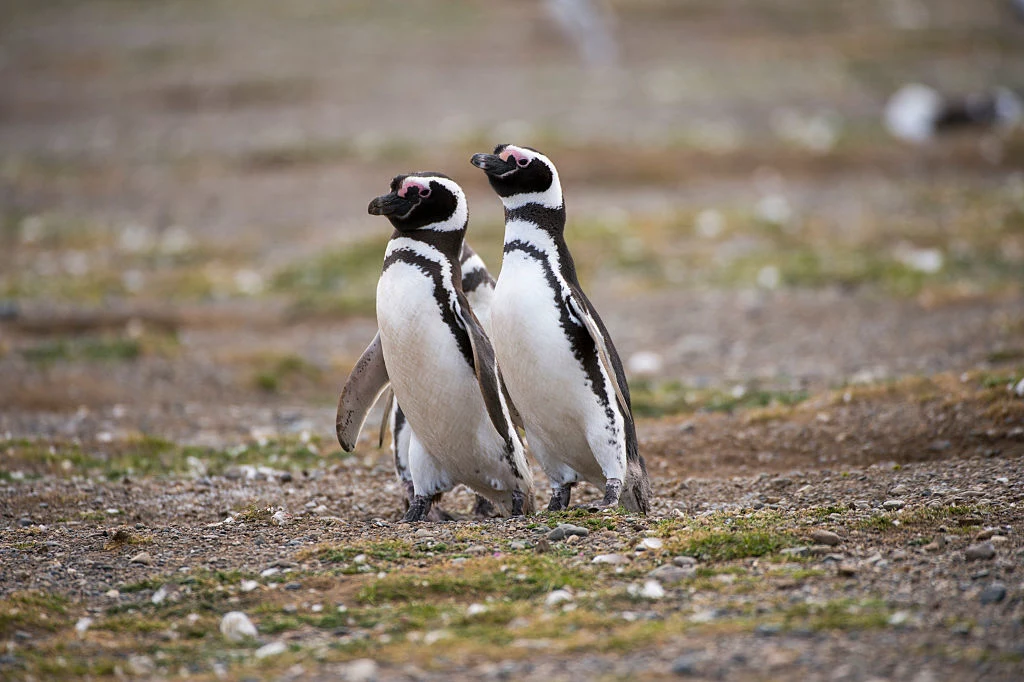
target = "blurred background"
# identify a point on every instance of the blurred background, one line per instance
(765, 198)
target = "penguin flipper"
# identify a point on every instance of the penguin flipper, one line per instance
(389, 403)
(579, 307)
(369, 378)
(486, 369)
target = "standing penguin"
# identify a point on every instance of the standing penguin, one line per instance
(437, 356)
(561, 368)
(369, 378)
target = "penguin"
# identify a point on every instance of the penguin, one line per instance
(437, 356)
(478, 285)
(559, 363)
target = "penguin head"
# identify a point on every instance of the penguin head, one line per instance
(423, 201)
(521, 175)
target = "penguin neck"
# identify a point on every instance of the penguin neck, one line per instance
(447, 243)
(542, 228)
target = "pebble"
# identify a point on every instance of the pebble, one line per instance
(361, 670)
(651, 589)
(670, 574)
(248, 585)
(982, 550)
(610, 559)
(144, 558)
(564, 530)
(160, 595)
(272, 649)
(476, 549)
(825, 537)
(82, 626)
(847, 568)
(517, 545)
(986, 534)
(556, 597)
(649, 543)
(279, 518)
(476, 609)
(893, 504)
(686, 665)
(993, 594)
(684, 561)
(802, 550)
(236, 626)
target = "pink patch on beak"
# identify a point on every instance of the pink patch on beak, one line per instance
(411, 184)
(513, 153)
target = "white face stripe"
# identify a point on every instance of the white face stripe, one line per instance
(458, 219)
(473, 263)
(550, 198)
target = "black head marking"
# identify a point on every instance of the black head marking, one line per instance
(511, 173)
(414, 204)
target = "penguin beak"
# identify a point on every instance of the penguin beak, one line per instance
(493, 165)
(389, 204)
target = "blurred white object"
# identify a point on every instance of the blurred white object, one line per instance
(588, 27)
(709, 223)
(915, 113)
(775, 209)
(644, 363)
(816, 132)
(928, 261)
(236, 626)
(911, 112)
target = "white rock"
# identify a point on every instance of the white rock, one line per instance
(557, 597)
(769, 277)
(1019, 389)
(82, 625)
(651, 543)
(236, 626)
(248, 585)
(476, 609)
(652, 589)
(160, 595)
(709, 223)
(775, 209)
(610, 559)
(272, 649)
(435, 636)
(928, 261)
(279, 518)
(361, 670)
(267, 572)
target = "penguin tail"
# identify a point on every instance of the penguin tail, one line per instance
(636, 493)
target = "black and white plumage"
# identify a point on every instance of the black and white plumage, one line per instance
(478, 285)
(437, 356)
(560, 365)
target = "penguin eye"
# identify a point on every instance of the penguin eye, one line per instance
(522, 162)
(424, 192)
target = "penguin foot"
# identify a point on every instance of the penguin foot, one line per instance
(612, 491)
(483, 509)
(518, 500)
(418, 509)
(560, 497)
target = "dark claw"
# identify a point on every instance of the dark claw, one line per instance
(419, 509)
(612, 491)
(483, 509)
(560, 497)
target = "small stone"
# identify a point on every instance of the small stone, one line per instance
(24, 522)
(892, 505)
(476, 610)
(993, 594)
(82, 626)
(768, 629)
(986, 534)
(670, 574)
(518, 545)
(361, 670)
(160, 595)
(652, 589)
(610, 559)
(847, 568)
(564, 530)
(267, 572)
(272, 649)
(686, 665)
(825, 537)
(435, 636)
(999, 540)
(476, 549)
(684, 561)
(144, 558)
(802, 550)
(293, 586)
(279, 518)
(141, 665)
(649, 543)
(248, 585)
(556, 597)
(983, 550)
(236, 626)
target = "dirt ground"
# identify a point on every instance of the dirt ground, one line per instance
(833, 420)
